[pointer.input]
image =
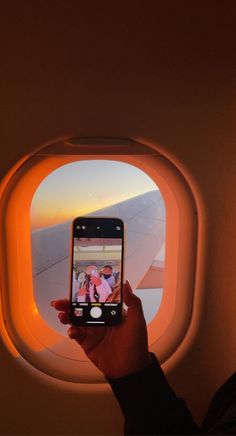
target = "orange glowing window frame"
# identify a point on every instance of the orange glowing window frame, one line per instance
(26, 334)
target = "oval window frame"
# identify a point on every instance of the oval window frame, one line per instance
(26, 334)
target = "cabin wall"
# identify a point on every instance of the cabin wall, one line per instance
(164, 74)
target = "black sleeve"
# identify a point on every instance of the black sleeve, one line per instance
(150, 406)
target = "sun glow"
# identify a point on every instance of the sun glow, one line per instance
(82, 187)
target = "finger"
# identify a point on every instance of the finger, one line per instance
(61, 304)
(77, 333)
(131, 300)
(124, 312)
(64, 317)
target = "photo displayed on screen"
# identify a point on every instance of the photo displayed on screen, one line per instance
(96, 271)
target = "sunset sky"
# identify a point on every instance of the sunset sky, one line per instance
(82, 187)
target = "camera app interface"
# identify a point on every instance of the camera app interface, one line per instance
(96, 277)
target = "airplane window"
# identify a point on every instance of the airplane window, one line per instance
(97, 188)
(61, 181)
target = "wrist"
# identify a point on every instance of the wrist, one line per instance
(132, 368)
(144, 363)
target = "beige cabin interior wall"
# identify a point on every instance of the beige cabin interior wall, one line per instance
(161, 72)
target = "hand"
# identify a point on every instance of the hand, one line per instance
(81, 292)
(116, 351)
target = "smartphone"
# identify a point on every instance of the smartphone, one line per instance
(97, 271)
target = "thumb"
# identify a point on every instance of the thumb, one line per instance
(131, 300)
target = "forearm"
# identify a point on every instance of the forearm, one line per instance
(149, 405)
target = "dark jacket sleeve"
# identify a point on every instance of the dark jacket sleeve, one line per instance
(150, 406)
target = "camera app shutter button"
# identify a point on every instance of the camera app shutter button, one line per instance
(95, 312)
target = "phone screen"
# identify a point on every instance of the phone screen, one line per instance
(97, 271)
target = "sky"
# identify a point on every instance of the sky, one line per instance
(82, 187)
